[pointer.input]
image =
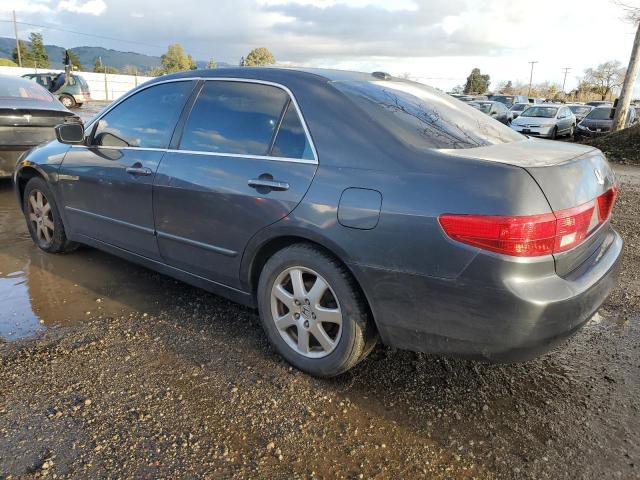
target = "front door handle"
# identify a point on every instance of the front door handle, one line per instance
(270, 184)
(139, 171)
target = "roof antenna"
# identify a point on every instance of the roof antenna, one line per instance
(381, 75)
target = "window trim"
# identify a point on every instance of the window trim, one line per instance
(292, 99)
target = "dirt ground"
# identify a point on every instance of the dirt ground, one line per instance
(108, 370)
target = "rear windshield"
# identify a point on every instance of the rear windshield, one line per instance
(13, 87)
(542, 112)
(483, 107)
(600, 114)
(423, 117)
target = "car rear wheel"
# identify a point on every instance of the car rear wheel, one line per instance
(313, 312)
(67, 101)
(43, 218)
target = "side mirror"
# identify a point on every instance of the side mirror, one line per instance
(70, 133)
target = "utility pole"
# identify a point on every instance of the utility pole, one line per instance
(531, 77)
(15, 29)
(620, 117)
(566, 70)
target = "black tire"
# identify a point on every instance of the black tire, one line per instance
(554, 133)
(58, 242)
(67, 100)
(358, 335)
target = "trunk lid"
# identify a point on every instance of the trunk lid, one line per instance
(569, 175)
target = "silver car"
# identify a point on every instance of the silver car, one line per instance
(549, 121)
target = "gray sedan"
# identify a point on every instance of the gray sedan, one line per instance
(346, 207)
(548, 121)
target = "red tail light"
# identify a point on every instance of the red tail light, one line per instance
(531, 235)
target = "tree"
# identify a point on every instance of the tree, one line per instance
(457, 89)
(24, 54)
(5, 62)
(192, 63)
(605, 77)
(176, 60)
(102, 68)
(130, 70)
(626, 92)
(37, 52)
(212, 63)
(73, 59)
(507, 88)
(258, 57)
(477, 83)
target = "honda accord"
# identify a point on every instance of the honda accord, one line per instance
(346, 207)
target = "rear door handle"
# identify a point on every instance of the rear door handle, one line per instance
(139, 171)
(271, 184)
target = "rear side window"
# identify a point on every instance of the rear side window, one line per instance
(291, 140)
(146, 119)
(234, 117)
(424, 118)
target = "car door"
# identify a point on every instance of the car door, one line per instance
(244, 161)
(107, 184)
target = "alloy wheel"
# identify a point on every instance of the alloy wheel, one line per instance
(306, 312)
(41, 216)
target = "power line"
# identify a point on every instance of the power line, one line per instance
(103, 37)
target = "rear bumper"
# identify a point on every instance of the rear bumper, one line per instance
(523, 320)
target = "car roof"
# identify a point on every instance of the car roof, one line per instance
(269, 73)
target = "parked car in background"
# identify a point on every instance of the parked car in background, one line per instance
(346, 207)
(509, 100)
(517, 108)
(72, 94)
(495, 110)
(599, 103)
(544, 120)
(28, 115)
(469, 98)
(579, 110)
(599, 122)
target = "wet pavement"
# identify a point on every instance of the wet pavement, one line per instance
(110, 370)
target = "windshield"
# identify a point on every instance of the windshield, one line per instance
(518, 107)
(541, 112)
(579, 109)
(600, 114)
(14, 87)
(483, 107)
(422, 117)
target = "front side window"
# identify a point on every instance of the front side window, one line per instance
(424, 118)
(146, 119)
(234, 117)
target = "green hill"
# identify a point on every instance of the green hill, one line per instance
(88, 56)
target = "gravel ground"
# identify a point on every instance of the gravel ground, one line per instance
(174, 382)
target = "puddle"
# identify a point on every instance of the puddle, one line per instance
(38, 290)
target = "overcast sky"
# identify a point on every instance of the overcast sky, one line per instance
(435, 41)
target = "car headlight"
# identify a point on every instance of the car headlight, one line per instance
(546, 125)
(581, 127)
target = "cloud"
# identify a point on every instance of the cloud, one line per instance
(90, 7)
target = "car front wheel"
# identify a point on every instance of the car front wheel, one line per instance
(43, 218)
(313, 312)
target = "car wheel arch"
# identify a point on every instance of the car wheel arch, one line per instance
(23, 175)
(274, 244)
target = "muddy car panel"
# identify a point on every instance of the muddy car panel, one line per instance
(427, 291)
